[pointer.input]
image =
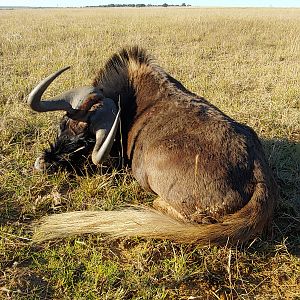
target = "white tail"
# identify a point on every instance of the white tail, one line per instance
(127, 222)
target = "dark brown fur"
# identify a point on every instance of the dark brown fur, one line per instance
(197, 159)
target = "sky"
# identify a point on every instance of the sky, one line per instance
(80, 3)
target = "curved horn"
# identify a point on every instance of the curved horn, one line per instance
(105, 136)
(52, 104)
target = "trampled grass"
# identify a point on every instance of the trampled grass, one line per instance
(245, 61)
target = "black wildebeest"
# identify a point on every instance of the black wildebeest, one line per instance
(210, 173)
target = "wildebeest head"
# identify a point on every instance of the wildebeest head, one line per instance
(89, 125)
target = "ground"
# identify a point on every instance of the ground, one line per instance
(245, 61)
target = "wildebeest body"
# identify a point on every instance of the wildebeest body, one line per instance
(204, 166)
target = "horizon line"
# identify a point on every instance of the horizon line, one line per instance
(146, 5)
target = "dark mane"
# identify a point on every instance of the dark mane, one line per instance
(120, 61)
(116, 69)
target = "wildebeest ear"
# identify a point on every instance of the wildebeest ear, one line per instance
(85, 109)
(104, 123)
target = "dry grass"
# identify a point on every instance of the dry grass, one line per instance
(245, 61)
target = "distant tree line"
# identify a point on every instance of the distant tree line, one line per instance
(139, 5)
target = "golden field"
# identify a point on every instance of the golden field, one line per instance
(245, 61)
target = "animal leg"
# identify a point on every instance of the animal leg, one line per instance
(164, 207)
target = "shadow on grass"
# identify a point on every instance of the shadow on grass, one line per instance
(284, 158)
